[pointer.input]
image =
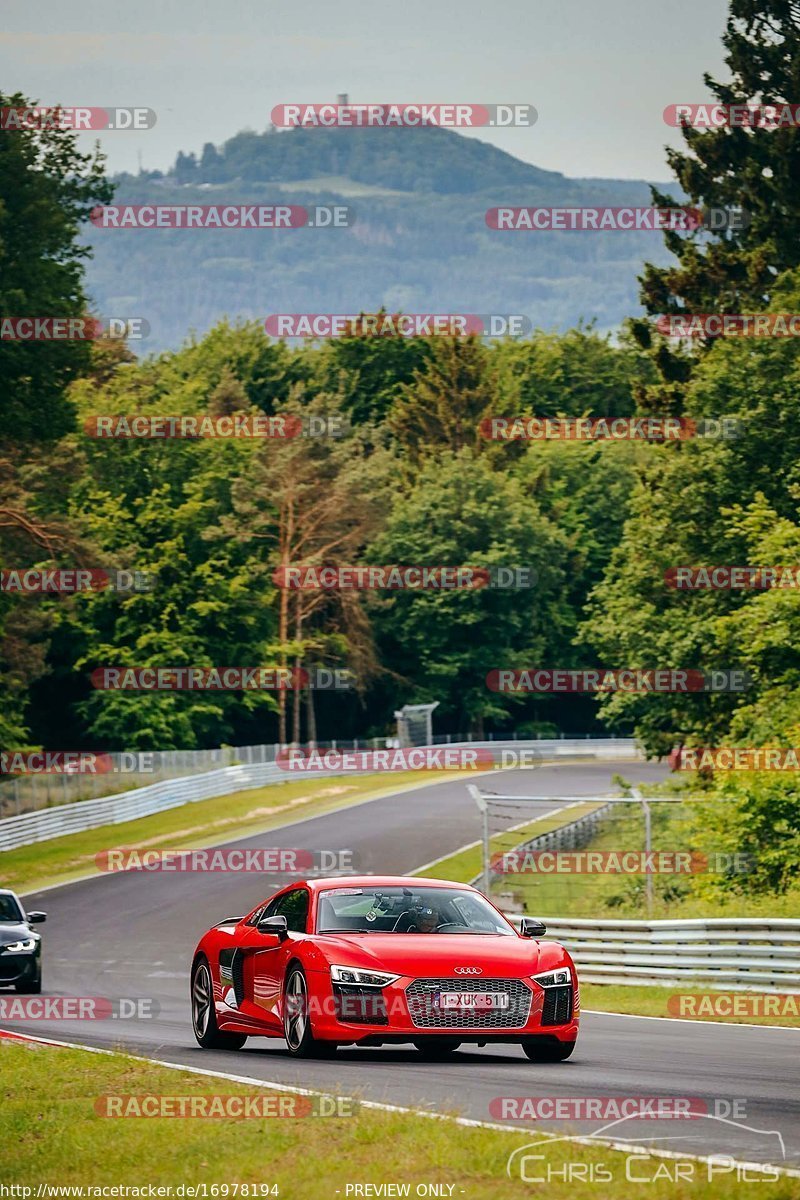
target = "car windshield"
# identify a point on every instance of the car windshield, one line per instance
(407, 910)
(9, 911)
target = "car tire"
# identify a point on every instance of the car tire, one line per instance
(29, 987)
(297, 1032)
(204, 1017)
(546, 1049)
(437, 1047)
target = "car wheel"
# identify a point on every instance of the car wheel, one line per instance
(437, 1047)
(30, 987)
(204, 1017)
(546, 1049)
(297, 1032)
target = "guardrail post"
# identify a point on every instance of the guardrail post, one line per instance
(484, 809)
(648, 846)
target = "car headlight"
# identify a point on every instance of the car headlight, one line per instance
(20, 947)
(366, 978)
(553, 978)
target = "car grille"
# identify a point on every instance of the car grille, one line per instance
(557, 1007)
(420, 993)
(12, 965)
(359, 1005)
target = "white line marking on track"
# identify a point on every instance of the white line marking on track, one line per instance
(599, 1012)
(296, 1090)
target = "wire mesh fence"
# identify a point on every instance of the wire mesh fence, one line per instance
(594, 857)
(21, 793)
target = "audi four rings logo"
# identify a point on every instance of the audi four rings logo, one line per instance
(468, 971)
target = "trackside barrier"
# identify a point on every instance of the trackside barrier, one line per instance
(64, 819)
(571, 836)
(30, 792)
(729, 953)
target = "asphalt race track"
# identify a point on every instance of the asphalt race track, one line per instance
(132, 935)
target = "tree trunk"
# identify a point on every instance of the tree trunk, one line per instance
(296, 702)
(311, 718)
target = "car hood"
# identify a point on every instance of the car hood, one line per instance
(421, 954)
(15, 933)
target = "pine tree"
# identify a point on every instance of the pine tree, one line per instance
(750, 168)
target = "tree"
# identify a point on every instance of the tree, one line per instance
(706, 503)
(47, 190)
(312, 501)
(755, 169)
(211, 169)
(370, 370)
(449, 396)
(442, 644)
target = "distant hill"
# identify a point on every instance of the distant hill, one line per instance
(419, 242)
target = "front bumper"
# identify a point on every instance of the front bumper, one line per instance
(19, 968)
(407, 1011)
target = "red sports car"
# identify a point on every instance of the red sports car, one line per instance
(374, 960)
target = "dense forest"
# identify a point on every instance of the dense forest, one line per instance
(412, 480)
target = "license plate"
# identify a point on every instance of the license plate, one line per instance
(471, 1001)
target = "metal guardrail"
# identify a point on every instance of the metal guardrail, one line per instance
(730, 953)
(171, 793)
(128, 806)
(124, 771)
(571, 836)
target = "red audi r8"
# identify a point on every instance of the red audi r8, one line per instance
(375, 960)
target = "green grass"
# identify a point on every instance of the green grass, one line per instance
(612, 895)
(466, 864)
(239, 815)
(644, 1001)
(52, 1134)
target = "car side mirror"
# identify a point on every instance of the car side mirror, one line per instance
(274, 925)
(530, 927)
(36, 918)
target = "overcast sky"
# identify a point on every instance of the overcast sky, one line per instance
(599, 72)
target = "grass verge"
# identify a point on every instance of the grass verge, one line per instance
(553, 894)
(52, 1134)
(222, 818)
(467, 863)
(643, 1001)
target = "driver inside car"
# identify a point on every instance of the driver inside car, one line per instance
(420, 919)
